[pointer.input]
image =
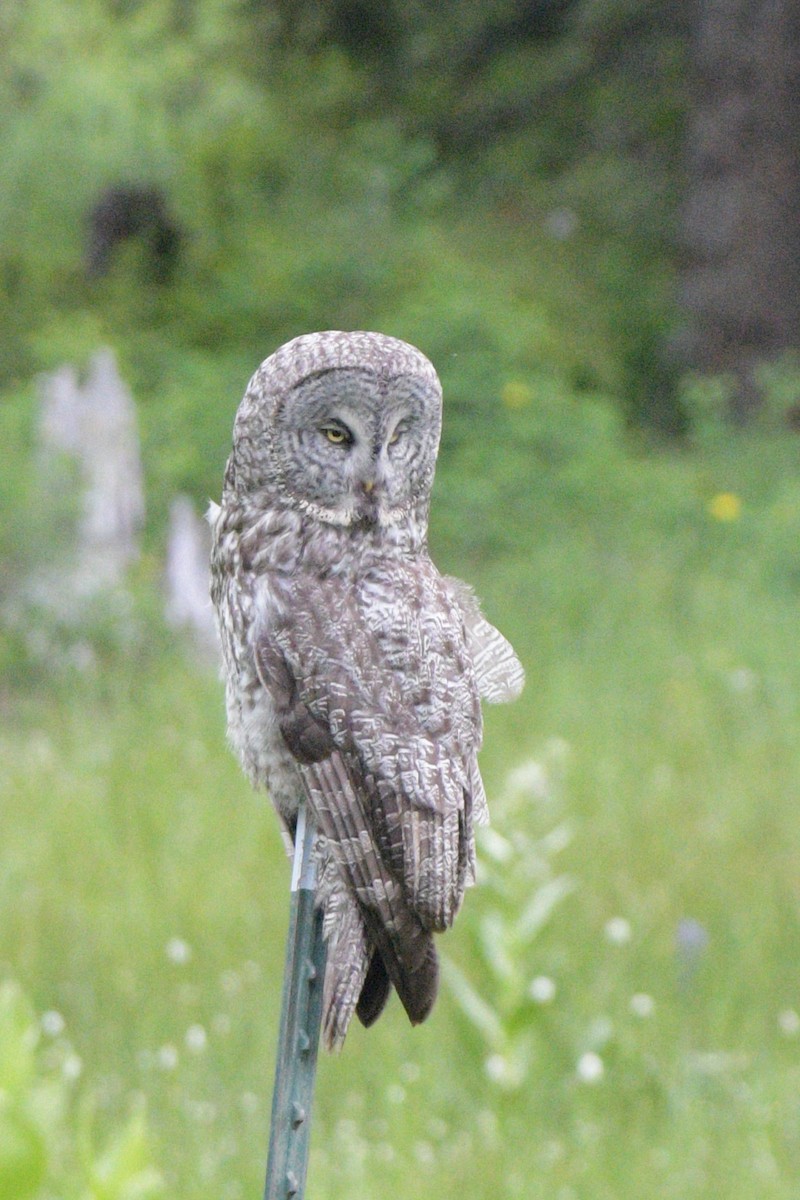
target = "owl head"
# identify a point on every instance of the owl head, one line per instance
(343, 426)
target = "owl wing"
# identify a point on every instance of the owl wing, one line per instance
(498, 671)
(380, 711)
(335, 787)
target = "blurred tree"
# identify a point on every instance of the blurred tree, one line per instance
(565, 117)
(740, 272)
(546, 139)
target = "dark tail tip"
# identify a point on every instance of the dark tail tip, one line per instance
(374, 992)
(417, 989)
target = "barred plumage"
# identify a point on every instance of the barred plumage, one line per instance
(353, 668)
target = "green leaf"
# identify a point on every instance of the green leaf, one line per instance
(474, 1007)
(23, 1157)
(19, 1037)
(125, 1171)
(495, 934)
(541, 906)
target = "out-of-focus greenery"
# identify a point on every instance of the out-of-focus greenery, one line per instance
(47, 1143)
(621, 1001)
(317, 180)
(620, 1011)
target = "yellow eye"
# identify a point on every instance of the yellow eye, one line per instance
(335, 435)
(400, 429)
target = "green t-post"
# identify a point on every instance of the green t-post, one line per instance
(301, 1013)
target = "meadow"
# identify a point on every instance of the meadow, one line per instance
(620, 1010)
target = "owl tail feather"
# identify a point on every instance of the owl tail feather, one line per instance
(420, 987)
(416, 986)
(405, 948)
(374, 993)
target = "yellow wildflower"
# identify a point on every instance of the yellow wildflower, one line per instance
(516, 394)
(725, 506)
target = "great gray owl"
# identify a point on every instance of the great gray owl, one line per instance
(353, 668)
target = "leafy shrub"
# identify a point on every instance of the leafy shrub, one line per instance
(47, 1145)
(520, 891)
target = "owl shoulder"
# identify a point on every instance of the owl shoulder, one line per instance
(499, 673)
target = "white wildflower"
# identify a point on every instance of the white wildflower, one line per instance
(53, 1024)
(642, 1005)
(196, 1039)
(742, 680)
(618, 931)
(424, 1153)
(789, 1022)
(590, 1068)
(178, 951)
(542, 989)
(231, 982)
(72, 1066)
(496, 1067)
(167, 1057)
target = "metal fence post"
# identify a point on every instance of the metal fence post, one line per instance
(298, 1040)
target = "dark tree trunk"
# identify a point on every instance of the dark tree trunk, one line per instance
(740, 274)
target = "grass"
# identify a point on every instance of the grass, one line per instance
(143, 891)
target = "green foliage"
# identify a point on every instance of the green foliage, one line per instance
(123, 1170)
(708, 404)
(383, 216)
(520, 892)
(46, 1141)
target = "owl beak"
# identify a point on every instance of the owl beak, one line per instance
(370, 503)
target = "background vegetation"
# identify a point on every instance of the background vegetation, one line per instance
(499, 184)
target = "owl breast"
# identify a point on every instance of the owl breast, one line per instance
(248, 553)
